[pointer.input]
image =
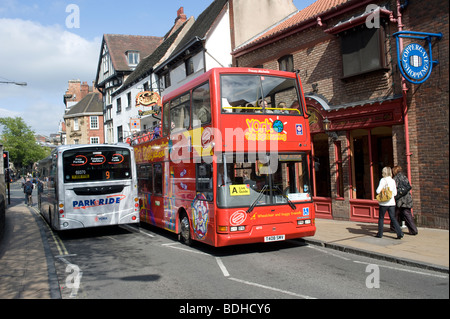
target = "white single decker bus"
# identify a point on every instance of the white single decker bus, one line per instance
(83, 186)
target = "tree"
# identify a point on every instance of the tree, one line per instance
(19, 140)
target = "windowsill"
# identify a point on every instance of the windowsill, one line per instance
(349, 77)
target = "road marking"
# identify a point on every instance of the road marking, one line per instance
(405, 270)
(174, 246)
(272, 288)
(58, 242)
(328, 253)
(227, 274)
(222, 267)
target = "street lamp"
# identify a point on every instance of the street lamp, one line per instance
(326, 126)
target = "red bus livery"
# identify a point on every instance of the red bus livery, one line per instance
(230, 162)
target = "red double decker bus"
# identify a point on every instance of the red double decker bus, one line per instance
(230, 162)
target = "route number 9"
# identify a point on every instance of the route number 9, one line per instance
(108, 175)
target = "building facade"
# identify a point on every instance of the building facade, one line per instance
(363, 114)
(119, 57)
(84, 121)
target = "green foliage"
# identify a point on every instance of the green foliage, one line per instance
(19, 140)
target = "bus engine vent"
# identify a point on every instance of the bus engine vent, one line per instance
(99, 190)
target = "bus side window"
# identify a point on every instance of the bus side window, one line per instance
(166, 119)
(201, 106)
(204, 177)
(158, 178)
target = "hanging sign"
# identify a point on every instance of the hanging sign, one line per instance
(415, 62)
(148, 98)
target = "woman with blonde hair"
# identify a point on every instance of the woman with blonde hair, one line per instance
(388, 205)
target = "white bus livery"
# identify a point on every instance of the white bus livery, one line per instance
(84, 186)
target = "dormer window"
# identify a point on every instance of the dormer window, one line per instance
(133, 58)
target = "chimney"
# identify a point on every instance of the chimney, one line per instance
(84, 90)
(181, 17)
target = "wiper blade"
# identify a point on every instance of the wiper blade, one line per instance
(250, 209)
(287, 198)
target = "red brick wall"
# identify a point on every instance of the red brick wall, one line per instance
(318, 57)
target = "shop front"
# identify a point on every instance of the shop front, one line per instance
(351, 145)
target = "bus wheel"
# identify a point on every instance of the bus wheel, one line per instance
(185, 233)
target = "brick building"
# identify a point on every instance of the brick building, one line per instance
(363, 116)
(84, 121)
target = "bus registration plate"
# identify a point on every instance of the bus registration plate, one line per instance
(274, 238)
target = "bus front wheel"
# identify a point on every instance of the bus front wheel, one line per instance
(185, 233)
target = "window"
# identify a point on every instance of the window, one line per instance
(105, 64)
(286, 63)
(339, 170)
(201, 106)
(145, 178)
(76, 126)
(129, 99)
(244, 181)
(82, 165)
(259, 94)
(372, 150)
(133, 57)
(362, 50)
(204, 178)
(189, 66)
(166, 119)
(95, 140)
(94, 122)
(158, 178)
(119, 134)
(321, 166)
(119, 105)
(180, 113)
(166, 80)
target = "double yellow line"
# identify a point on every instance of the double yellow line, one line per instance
(58, 242)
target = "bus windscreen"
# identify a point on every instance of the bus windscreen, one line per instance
(91, 165)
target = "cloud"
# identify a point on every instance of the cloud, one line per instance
(46, 57)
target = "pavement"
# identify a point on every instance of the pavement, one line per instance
(27, 269)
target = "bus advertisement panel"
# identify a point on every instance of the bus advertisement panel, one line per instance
(231, 161)
(88, 186)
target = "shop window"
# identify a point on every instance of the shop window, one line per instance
(339, 170)
(372, 150)
(382, 151)
(321, 166)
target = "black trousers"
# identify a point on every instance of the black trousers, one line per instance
(405, 214)
(391, 211)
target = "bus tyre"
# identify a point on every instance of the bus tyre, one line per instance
(185, 232)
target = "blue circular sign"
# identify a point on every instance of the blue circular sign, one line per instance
(415, 61)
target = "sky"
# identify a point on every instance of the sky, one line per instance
(46, 43)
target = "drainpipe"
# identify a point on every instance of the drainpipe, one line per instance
(400, 7)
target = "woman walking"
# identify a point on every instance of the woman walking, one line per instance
(403, 200)
(388, 205)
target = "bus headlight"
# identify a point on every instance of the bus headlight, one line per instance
(304, 222)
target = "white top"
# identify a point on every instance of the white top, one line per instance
(392, 186)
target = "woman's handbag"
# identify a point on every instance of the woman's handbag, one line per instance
(385, 194)
(403, 189)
